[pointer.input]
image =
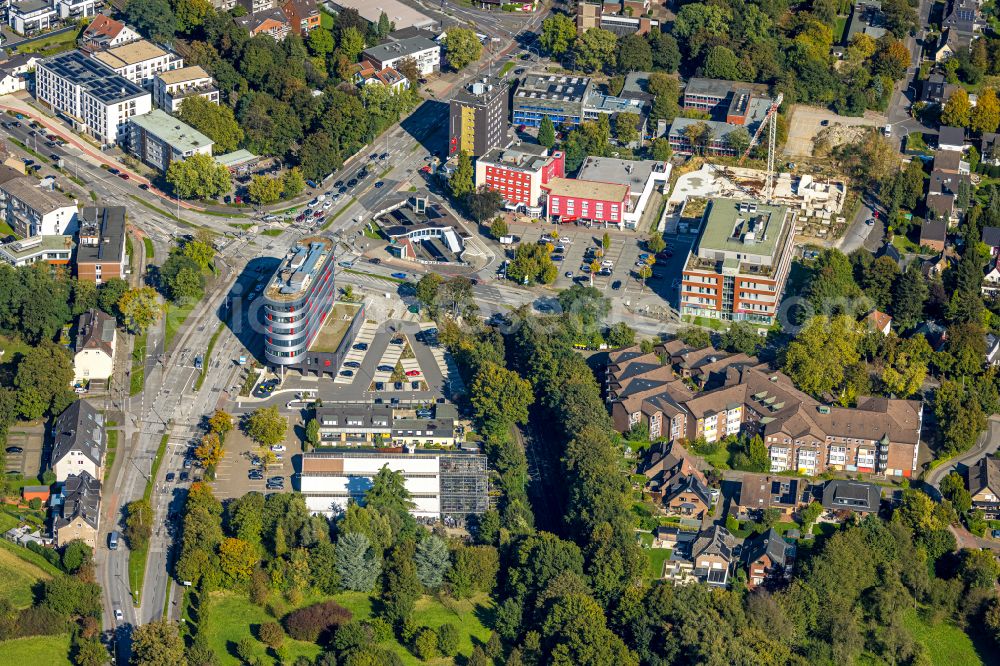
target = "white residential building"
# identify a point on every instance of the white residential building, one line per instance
(104, 33)
(90, 94)
(33, 210)
(74, 10)
(440, 483)
(422, 50)
(79, 442)
(30, 16)
(140, 61)
(170, 89)
(94, 353)
(159, 139)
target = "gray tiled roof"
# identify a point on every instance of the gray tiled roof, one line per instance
(79, 428)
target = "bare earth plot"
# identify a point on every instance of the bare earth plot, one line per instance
(804, 124)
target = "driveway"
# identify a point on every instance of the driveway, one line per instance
(985, 445)
(804, 124)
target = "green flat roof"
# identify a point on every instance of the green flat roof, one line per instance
(735, 226)
(179, 135)
(235, 158)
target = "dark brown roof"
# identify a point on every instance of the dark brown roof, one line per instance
(933, 231)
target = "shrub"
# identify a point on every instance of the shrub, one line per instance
(272, 634)
(381, 630)
(40, 621)
(309, 623)
(35, 503)
(246, 650)
(425, 645)
(447, 639)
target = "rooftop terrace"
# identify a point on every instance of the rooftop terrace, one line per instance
(298, 269)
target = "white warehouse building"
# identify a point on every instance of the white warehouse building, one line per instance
(440, 483)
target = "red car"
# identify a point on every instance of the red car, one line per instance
(123, 176)
(301, 218)
(412, 373)
(425, 169)
(52, 137)
(318, 213)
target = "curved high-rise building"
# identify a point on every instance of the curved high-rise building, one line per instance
(297, 299)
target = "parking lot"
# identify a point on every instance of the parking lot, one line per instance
(623, 252)
(29, 461)
(231, 474)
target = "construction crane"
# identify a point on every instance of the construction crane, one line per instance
(771, 122)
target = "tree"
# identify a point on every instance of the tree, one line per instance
(427, 289)
(634, 54)
(432, 561)
(626, 128)
(140, 307)
(694, 337)
(474, 569)
(661, 150)
(246, 650)
(42, 380)
(220, 422)
(90, 652)
(109, 294)
(979, 568)
(198, 176)
(388, 495)
(698, 136)
(264, 190)
(216, 121)
(76, 555)
(957, 110)
(237, 559)
(408, 67)
(400, 585)
(741, 337)
(815, 373)
(357, 564)
(738, 140)
(312, 432)
(558, 33)
(759, 458)
(891, 58)
(448, 639)
(909, 296)
(810, 513)
(181, 279)
(462, 181)
(292, 183)
(500, 398)
(266, 426)
(621, 335)
(484, 203)
(665, 91)
(271, 634)
(596, 50)
(985, 117)
(953, 489)
(157, 643)
(722, 63)
(546, 132)
(153, 18)
(576, 627)
(462, 47)
(209, 452)
(138, 523)
(499, 228)
(200, 252)
(655, 243)
(352, 42)
(384, 26)
(425, 644)
(906, 365)
(321, 42)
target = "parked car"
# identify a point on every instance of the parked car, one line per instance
(279, 448)
(360, 346)
(123, 176)
(399, 276)
(379, 184)
(170, 477)
(379, 386)
(119, 616)
(351, 364)
(412, 373)
(346, 373)
(14, 449)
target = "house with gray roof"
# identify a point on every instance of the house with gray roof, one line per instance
(78, 512)
(94, 352)
(984, 486)
(769, 559)
(80, 442)
(854, 496)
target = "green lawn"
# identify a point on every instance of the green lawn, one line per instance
(228, 617)
(507, 67)
(138, 378)
(48, 650)
(53, 45)
(150, 252)
(31, 557)
(656, 557)
(109, 460)
(6, 230)
(176, 316)
(20, 576)
(946, 644)
(326, 19)
(839, 28)
(137, 557)
(208, 357)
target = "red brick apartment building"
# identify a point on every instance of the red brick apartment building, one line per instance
(519, 172)
(742, 396)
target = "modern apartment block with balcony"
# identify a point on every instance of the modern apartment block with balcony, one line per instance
(171, 88)
(297, 300)
(91, 95)
(33, 210)
(100, 254)
(738, 268)
(139, 61)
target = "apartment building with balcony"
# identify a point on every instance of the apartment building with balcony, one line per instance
(157, 138)
(139, 61)
(374, 424)
(89, 94)
(171, 88)
(738, 267)
(104, 33)
(297, 299)
(425, 52)
(35, 210)
(518, 172)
